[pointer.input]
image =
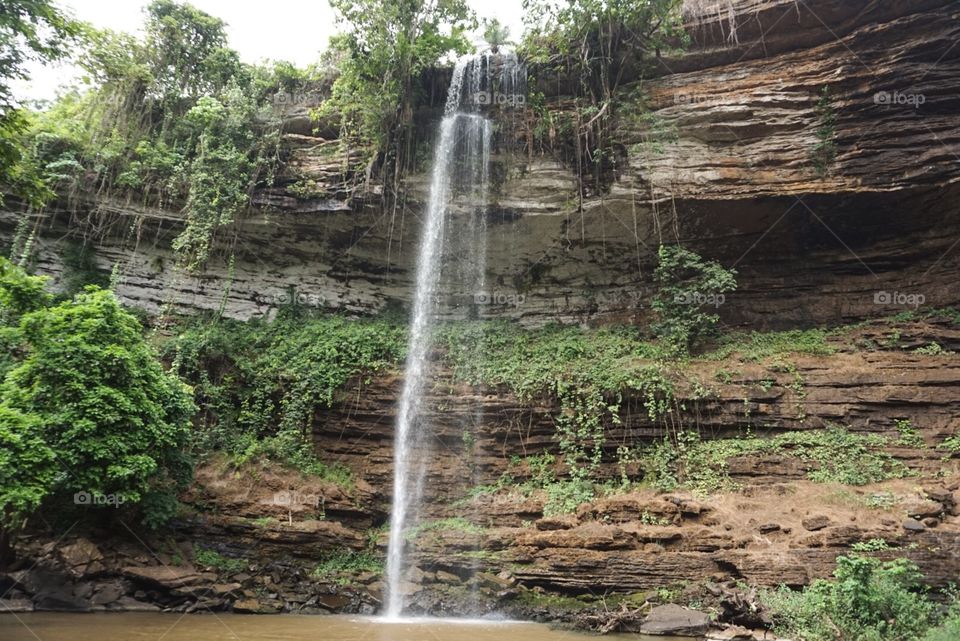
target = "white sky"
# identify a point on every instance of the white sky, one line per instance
(293, 30)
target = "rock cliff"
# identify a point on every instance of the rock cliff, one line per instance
(723, 156)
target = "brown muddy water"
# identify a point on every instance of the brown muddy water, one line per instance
(52, 626)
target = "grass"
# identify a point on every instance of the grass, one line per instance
(834, 455)
(348, 561)
(213, 559)
(452, 524)
(758, 346)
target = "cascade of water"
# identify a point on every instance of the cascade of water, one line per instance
(459, 184)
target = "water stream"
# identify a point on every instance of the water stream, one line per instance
(459, 190)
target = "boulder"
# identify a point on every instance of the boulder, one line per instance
(447, 577)
(130, 604)
(562, 522)
(15, 605)
(59, 599)
(333, 602)
(164, 576)
(913, 525)
(923, 509)
(671, 619)
(82, 558)
(814, 523)
(254, 606)
(107, 593)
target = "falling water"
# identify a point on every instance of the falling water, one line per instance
(459, 186)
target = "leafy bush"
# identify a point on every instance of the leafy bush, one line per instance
(756, 346)
(92, 391)
(688, 284)
(867, 599)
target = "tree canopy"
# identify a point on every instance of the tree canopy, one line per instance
(87, 407)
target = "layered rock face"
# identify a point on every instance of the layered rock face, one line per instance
(724, 158)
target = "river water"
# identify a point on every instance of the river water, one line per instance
(52, 626)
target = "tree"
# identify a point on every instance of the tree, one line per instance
(28, 470)
(29, 30)
(688, 285)
(384, 48)
(89, 409)
(172, 118)
(495, 34)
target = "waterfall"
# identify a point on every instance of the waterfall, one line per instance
(459, 186)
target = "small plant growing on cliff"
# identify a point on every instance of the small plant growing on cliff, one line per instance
(688, 287)
(215, 560)
(824, 152)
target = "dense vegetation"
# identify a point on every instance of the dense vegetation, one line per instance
(383, 50)
(868, 599)
(86, 410)
(173, 119)
(260, 383)
(599, 45)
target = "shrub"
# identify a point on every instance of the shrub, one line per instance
(867, 599)
(93, 391)
(688, 285)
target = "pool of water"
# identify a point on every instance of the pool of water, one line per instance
(52, 626)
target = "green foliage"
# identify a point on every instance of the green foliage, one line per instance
(951, 443)
(30, 30)
(91, 391)
(586, 373)
(261, 382)
(758, 346)
(450, 524)
(688, 284)
(495, 34)
(594, 42)
(213, 559)
(932, 349)
(382, 50)
(173, 117)
(834, 456)
(348, 561)
(28, 467)
(909, 436)
(949, 630)
(867, 599)
(824, 152)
